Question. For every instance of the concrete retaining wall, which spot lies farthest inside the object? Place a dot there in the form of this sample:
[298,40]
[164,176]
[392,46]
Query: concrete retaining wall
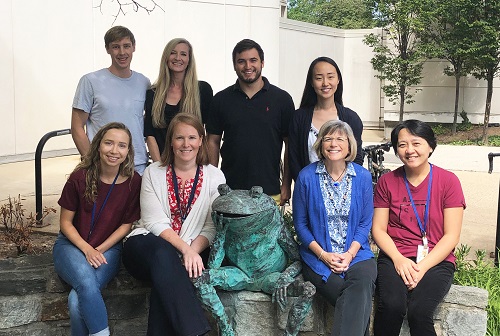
[33,301]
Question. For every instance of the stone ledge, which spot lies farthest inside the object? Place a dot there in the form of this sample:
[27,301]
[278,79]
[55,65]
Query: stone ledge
[33,301]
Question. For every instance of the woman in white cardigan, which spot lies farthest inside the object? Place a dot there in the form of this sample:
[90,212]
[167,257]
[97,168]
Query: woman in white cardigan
[170,244]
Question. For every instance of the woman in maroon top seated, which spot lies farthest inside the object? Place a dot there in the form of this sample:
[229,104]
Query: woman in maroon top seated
[416,224]
[98,205]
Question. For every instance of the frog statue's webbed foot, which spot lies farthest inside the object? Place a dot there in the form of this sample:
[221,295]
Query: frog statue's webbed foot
[209,298]
[300,307]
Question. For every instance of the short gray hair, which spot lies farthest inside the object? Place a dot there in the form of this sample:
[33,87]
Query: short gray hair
[336,126]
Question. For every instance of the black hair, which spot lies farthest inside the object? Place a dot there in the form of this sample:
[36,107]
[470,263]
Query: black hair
[417,128]
[309,97]
[247,44]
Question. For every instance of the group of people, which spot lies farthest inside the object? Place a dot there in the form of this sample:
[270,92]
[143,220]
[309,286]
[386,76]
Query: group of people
[415,213]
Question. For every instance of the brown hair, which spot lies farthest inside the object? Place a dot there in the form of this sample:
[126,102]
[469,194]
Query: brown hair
[91,162]
[167,157]
[118,33]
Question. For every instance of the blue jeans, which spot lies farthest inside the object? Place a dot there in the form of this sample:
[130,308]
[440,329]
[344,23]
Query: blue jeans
[87,310]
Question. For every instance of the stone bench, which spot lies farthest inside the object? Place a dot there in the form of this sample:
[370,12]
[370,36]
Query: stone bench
[33,301]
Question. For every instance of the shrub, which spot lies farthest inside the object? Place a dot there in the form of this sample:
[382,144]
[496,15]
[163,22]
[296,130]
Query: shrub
[480,273]
[494,140]
[466,125]
[439,129]
[17,228]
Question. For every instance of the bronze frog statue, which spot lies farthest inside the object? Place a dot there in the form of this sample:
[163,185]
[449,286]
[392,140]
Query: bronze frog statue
[260,253]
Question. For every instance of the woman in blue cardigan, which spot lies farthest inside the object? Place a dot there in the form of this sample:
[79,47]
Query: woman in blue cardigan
[332,214]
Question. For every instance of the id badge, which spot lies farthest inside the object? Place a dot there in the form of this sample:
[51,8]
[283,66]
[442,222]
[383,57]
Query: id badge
[422,252]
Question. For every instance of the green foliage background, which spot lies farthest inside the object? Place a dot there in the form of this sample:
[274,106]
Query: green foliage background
[343,14]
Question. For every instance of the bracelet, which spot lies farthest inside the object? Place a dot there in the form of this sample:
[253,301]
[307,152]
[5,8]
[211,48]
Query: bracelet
[352,255]
[321,254]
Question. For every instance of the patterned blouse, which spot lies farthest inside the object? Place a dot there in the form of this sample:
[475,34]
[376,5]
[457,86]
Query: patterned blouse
[184,192]
[337,199]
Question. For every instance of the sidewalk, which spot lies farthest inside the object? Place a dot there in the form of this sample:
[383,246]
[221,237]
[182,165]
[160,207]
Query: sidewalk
[469,163]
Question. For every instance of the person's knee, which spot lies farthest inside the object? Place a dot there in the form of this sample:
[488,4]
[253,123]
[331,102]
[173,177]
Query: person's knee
[88,287]
[419,314]
[393,305]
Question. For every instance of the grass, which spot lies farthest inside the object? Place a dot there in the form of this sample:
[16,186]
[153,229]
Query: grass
[480,273]
[467,135]
[493,140]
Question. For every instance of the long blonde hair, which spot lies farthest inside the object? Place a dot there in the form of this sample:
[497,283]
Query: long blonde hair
[190,101]
[92,161]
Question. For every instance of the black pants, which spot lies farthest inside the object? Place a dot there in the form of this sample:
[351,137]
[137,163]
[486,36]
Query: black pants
[394,300]
[174,308]
[351,296]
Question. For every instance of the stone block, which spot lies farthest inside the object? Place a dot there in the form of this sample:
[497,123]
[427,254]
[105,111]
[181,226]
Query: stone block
[54,283]
[19,310]
[55,307]
[314,321]
[123,281]
[251,313]
[129,327]
[460,322]
[33,301]
[467,296]
[22,282]
[38,329]
[125,305]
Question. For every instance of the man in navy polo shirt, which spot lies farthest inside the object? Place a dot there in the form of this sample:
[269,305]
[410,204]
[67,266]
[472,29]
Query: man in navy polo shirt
[253,115]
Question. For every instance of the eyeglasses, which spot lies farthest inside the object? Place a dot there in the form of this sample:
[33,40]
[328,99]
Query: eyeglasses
[339,140]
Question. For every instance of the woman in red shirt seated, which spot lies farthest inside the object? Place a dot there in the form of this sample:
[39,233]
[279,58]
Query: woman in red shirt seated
[98,205]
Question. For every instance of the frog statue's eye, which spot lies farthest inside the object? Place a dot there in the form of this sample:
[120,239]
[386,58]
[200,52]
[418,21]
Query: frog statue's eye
[256,191]
[223,189]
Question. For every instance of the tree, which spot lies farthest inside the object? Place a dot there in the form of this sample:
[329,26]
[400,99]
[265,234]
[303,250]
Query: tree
[399,55]
[146,5]
[343,14]
[451,37]
[487,56]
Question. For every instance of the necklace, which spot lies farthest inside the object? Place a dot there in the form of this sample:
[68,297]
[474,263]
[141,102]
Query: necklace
[336,180]
[337,196]
[184,212]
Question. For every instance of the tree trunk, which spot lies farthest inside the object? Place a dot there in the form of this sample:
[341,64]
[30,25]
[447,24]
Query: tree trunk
[487,110]
[457,92]
[401,102]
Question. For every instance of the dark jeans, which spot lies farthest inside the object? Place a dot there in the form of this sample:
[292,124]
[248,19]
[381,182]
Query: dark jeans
[351,296]
[174,308]
[394,300]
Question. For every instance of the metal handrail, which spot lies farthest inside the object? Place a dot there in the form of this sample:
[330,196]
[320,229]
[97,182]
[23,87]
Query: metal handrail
[38,171]
[497,238]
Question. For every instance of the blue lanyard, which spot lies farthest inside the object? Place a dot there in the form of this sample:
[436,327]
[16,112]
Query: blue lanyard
[191,195]
[94,220]
[423,227]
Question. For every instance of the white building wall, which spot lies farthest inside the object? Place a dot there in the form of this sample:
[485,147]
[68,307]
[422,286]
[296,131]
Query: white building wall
[301,43]
[435,102]
[46,46]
